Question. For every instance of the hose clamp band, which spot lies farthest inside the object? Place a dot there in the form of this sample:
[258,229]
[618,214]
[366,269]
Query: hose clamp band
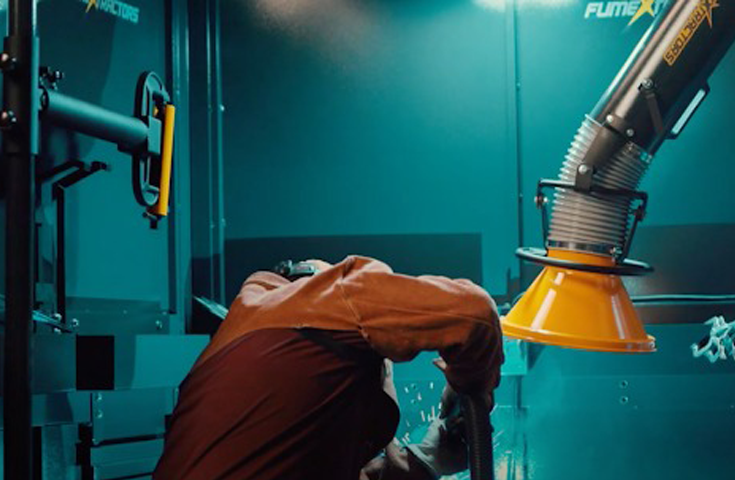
[600,249]
[614,251]
[624,268]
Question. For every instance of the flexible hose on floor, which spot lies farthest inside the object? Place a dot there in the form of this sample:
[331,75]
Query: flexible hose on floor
[478,434]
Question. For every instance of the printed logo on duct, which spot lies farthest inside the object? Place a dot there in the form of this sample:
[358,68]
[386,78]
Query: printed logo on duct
[635,10]
[116,8]
[695,20]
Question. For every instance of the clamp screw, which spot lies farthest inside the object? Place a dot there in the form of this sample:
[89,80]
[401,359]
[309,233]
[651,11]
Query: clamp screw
[7,63]
[583,169]
[159,325]
[51,76]
[74,323]
[630,133]
[647,84]
[610,118]
[640,213]
[7,120]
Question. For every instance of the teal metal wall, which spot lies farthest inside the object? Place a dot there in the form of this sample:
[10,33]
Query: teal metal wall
[372,117]
[352,119]
[404,130]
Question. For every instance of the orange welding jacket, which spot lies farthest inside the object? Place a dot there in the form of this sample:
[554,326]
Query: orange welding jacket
[398,315]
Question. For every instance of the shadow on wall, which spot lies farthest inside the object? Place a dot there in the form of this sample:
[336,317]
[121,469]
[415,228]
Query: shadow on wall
[452,255]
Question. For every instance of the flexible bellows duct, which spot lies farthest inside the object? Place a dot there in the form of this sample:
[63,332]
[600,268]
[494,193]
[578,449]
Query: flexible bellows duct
[591,222]
[578,300]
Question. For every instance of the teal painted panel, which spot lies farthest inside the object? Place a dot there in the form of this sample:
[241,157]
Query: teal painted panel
[112,253]
[605,416]
[373,117]
[587,415]
[139,363]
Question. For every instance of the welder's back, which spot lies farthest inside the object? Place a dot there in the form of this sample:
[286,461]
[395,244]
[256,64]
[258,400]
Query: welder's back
[275,405]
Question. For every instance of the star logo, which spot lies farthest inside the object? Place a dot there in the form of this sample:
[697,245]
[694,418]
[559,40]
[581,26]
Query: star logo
[646,7]
[710,5]
[696,18]
[90,4]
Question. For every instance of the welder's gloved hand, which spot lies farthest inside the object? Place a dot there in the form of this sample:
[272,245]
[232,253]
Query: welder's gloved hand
[450,399]
[443,450]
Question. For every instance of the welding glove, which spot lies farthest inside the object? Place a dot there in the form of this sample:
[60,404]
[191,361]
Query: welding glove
[443,450]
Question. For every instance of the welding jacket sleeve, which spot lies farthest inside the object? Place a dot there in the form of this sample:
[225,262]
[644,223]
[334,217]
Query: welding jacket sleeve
[398,315]
[401,315]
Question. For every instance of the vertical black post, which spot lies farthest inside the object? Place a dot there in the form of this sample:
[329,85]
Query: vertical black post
[19,120]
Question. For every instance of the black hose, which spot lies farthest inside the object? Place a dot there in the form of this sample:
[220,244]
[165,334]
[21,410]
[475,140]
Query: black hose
[479,437]
[683,298]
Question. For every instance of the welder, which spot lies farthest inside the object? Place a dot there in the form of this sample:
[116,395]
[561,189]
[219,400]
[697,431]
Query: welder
[296,383]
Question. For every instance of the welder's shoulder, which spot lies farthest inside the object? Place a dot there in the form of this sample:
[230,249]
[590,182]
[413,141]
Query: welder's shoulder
[466,298]
[264,280]
[359,264]
[368,282]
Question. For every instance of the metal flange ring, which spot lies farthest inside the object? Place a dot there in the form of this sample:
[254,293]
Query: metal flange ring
[625,268]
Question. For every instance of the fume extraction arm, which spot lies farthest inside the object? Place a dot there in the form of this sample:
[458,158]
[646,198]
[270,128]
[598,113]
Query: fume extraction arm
[579,300]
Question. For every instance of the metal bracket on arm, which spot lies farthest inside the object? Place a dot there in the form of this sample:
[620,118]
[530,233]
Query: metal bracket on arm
[583,178]
[611,137]
[79,171]
[648,87]
[639,212]
[144,136]
[623,266]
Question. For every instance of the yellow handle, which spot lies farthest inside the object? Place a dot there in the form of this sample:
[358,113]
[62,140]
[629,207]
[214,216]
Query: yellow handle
[161,208]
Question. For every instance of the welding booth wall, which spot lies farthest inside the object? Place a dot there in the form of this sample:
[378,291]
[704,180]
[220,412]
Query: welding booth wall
[416,132]
[413,131]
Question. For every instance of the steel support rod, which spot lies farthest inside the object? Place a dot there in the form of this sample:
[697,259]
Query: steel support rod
[127,132]
[19,121]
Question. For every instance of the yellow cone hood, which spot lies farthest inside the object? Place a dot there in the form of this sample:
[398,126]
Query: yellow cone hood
[576,309]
